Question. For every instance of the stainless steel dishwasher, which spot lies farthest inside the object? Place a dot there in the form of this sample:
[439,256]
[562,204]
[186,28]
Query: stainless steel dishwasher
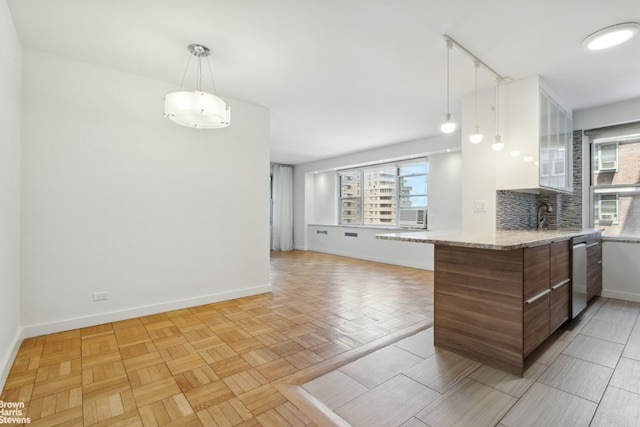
[579,275]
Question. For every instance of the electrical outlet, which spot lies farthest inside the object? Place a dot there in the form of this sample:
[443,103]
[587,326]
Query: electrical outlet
[480,206]
[100,296]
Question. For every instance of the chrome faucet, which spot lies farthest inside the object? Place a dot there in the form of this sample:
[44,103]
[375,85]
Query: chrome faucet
[543,209]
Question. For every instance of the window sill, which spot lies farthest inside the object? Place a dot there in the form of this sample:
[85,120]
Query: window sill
[373,227]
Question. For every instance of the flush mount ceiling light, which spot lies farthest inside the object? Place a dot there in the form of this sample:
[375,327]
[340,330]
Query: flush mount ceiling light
[449,125]
[611,36]
[197,109]
[476,136]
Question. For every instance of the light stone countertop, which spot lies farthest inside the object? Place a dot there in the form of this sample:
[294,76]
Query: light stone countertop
[504,240]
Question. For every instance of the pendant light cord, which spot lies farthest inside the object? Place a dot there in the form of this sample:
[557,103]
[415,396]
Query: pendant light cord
[186,68]
[213,82]
[477,65]
[498,81]
[198,73]
[449,46]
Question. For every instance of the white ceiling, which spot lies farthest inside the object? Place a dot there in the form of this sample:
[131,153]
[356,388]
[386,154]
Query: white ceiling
[341,76]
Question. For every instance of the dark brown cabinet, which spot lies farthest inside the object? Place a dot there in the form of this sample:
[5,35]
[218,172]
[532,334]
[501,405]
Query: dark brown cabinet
[498,306]
[536,296]
[546,291]
[594,265]
[559,283]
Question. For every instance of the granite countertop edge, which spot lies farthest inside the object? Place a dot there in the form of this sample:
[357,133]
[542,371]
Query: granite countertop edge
[495,240]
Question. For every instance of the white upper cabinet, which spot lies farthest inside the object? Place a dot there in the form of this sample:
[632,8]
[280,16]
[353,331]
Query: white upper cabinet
[538,137]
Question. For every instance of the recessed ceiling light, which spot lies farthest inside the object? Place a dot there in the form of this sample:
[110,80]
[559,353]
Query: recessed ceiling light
[611,36]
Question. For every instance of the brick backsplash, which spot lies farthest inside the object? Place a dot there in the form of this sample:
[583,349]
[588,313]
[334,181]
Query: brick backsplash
[518,211]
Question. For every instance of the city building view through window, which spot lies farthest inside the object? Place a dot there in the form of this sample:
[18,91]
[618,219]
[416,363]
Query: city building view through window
[380,195]
[615,183]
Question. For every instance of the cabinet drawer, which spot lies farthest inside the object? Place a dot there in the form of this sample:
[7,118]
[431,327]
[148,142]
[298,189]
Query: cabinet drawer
[536,321]
[559,303]
[536,271]
[560,262]
[594,269]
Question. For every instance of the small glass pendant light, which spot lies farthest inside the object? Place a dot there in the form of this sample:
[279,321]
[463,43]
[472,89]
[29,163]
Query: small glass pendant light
[449,125]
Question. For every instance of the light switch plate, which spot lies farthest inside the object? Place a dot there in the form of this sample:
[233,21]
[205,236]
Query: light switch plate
[480,206]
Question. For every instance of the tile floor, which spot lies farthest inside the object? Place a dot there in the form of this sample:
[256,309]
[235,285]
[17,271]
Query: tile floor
[588,374]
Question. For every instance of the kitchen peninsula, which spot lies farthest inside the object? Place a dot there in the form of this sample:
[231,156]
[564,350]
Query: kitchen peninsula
[499,294]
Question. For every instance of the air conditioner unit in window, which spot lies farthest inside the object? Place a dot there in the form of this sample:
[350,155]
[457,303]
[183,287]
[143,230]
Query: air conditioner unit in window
[607,217]
[416,218]
[608,166]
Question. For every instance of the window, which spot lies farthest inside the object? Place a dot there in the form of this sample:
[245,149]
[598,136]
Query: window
[605,157]
[607,208]
[379,185]
[413,185]
[350,199]
[374,195]
[615,180]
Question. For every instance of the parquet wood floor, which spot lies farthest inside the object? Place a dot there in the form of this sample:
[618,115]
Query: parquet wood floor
[234,363]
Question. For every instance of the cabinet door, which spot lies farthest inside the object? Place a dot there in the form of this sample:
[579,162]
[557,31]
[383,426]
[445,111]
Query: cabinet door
[545,138]
[567,148]
[559,304]
[536,296]
[559,262]
[536,271]
[536,321]
[556,142]
[560,283]
[594,269]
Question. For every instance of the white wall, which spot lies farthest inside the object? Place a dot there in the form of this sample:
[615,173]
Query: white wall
[607,115]
[325,193]
[116,198]
[332,239]
[10,104]
[479,162]
[310,208]
[619,259]
[445,191]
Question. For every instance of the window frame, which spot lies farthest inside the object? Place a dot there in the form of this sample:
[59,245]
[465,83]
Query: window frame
[343,199]
[607,182]
[616,204]
[361,171]
[597,157]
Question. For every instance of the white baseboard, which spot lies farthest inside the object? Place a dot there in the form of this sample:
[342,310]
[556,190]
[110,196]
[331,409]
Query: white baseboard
[114,316]
[10,356]
[626,296]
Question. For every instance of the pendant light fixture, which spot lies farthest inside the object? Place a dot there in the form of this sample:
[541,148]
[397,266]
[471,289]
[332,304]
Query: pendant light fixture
[197,109]
[498,145]
[476,136]
[449,125]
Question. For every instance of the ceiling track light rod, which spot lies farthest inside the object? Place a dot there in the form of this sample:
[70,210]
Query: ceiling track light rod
[476,65]
[451,42]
